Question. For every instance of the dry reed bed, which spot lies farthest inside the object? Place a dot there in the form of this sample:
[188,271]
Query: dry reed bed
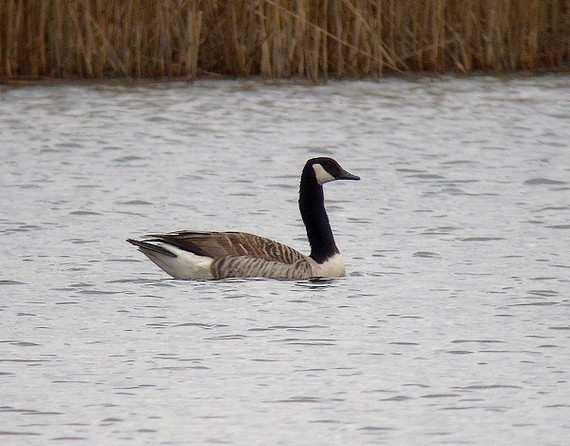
[279,38]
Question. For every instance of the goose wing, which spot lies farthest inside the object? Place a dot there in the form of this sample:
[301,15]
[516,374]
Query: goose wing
[234,244]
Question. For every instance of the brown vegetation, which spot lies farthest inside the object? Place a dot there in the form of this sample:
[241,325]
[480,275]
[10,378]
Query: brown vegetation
[279,38]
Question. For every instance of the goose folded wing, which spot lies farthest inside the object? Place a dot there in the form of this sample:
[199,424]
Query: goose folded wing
[222,244]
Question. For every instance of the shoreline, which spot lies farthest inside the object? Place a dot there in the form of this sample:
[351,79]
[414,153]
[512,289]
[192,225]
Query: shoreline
[407,76]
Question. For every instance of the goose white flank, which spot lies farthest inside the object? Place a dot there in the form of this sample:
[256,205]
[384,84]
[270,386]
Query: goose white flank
[219,255]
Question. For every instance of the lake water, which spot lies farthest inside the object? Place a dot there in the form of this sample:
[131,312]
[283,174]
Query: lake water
[451,327]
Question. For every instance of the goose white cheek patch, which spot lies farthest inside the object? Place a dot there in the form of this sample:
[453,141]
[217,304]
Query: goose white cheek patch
[322,175]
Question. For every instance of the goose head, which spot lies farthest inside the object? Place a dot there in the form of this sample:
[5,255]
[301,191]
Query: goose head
[325,170]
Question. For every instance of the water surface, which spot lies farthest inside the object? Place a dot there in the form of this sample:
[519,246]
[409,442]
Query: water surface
[451,327]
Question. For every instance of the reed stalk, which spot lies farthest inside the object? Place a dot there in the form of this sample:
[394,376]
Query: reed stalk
[310,39]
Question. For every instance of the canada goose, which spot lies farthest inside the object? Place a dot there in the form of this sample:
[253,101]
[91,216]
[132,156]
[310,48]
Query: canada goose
[217,255]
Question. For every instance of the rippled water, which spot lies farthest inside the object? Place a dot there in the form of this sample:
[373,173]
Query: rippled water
[451,327]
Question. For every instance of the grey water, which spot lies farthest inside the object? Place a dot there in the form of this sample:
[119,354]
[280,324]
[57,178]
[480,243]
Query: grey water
[452,325]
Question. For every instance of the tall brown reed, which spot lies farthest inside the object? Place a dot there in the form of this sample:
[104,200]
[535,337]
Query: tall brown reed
[279,38]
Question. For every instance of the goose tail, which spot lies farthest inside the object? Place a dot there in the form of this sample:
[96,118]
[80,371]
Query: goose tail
[179,263]
[148,246]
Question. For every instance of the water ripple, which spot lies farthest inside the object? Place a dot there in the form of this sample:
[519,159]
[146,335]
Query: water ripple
[453,311]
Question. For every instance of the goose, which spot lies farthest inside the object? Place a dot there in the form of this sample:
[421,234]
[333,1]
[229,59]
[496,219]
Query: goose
[219,255]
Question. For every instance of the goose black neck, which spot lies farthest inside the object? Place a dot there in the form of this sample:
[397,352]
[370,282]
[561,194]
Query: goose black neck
[312,207]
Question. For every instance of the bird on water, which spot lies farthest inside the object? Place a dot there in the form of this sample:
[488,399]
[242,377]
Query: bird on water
[218,255]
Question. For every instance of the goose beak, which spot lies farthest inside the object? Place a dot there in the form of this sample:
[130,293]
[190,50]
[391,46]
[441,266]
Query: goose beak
[344,175]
